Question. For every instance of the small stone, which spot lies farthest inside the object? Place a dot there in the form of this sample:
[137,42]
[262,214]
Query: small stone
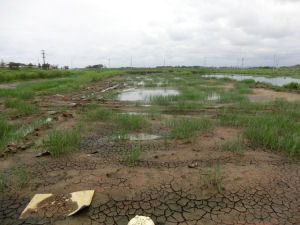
[193,165]
[46,153]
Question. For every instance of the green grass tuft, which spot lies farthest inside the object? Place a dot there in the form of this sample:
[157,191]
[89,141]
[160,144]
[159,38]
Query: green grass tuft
[131,122]
[235,146]
[292,85]
[133,155]
[99,114]
[188,127]
[62,142]
[22,107]
[275,131]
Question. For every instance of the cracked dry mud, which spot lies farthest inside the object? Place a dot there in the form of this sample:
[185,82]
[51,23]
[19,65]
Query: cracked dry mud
[257,188]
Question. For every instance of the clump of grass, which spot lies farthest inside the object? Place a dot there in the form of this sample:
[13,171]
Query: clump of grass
[62,142]
[154,112]
[22,176]
[92,106]
[5,128]
[213,176]
[131,122]
[133,155]
[99,114]
[188,127]
[235,146]
[184,106]
[243,88]
[233,95]
[15,178]
[292,85]
[275,131]
[235,119]
[111,95]
[150,84]
[4,181]
[192,93]
[249,82]
[23,108]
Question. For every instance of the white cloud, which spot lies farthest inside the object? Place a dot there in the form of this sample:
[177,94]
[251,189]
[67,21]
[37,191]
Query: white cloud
[183,31]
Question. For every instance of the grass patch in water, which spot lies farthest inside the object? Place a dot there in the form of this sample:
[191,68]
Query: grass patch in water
[163,100]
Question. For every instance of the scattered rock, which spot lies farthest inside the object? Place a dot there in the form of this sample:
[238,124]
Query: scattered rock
[13,148]
[193,165]
[59,95]
[43,154]
[67,115]
[73,104]
[94,152]
[52,112]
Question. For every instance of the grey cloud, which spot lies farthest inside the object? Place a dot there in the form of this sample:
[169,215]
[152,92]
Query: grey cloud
[182,31]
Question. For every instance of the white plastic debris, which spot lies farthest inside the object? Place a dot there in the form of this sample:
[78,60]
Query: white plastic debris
[141,220]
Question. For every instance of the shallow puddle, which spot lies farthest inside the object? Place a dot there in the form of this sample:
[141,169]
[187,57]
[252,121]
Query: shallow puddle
[143,137]
[134,113]
[213,97]
[141,94]
[8,86]
[278,81]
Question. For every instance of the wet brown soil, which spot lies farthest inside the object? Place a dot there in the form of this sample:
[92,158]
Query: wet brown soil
[172,182]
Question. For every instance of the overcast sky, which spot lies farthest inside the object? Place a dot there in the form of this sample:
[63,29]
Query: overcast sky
[184,32]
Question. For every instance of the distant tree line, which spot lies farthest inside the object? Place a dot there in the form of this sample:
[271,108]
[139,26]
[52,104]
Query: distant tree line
[97,66]
[16,66]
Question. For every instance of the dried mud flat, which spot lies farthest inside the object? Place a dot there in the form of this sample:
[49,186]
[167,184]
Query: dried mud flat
[170,183]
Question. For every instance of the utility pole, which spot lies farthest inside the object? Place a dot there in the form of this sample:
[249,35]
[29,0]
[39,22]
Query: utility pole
[43,56]
[131,61]
[108,62]
[243,62]
[275,62]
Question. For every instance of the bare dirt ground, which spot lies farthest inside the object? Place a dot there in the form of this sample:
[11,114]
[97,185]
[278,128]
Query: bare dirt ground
[265,95]
[172,183]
